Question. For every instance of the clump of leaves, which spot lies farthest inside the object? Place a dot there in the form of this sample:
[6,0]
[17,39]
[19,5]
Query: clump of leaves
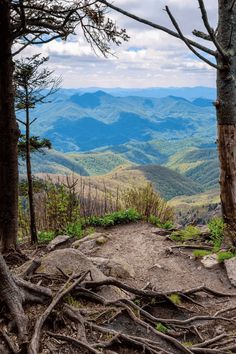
[216,227]
[161,328]
[73,302]
[118,217]
[175,299]
[75,229]
[223,256]
[46,236]
[201,253]
[188,233]
[154,220]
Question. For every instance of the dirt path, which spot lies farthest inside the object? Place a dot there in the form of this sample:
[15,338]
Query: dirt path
[147,253]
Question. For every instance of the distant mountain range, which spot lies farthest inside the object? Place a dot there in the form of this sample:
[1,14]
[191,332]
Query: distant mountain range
[94,132]
[89,121]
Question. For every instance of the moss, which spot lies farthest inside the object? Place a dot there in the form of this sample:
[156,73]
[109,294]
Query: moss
[175,299]
[161,328]
[223,256]
[201,253]
[188,233]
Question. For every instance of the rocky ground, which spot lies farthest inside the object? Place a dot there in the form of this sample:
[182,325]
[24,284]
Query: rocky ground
[129,289]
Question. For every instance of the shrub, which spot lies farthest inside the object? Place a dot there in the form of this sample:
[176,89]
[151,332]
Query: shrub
[46,236]
[188,233]
[154,220]
[118,217]
[75,229]
[216,227]
[147,202]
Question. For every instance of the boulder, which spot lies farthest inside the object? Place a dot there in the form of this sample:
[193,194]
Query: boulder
[210,261]
[90,243]
[230,266]
[74,261]
[115,267]
[57,241]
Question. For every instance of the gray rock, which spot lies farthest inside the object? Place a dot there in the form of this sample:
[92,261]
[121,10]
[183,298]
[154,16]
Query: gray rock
[93,237]
[58,241]
[74,261]
[230,266]
[116,267]
[210,261]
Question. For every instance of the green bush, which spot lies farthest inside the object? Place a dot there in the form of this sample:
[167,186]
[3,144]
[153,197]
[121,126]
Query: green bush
[75,229]
[118,217]
[154,220]
[46,236]
[188,233]
[216,227]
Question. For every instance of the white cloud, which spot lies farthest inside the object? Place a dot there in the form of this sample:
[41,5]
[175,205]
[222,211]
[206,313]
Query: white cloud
[150,58]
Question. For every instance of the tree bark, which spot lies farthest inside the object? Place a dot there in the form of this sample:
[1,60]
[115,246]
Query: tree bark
[9,134]
[226,116]
[33,229]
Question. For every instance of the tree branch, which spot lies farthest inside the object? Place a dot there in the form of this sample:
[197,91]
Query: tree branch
[201,35]
[211,32]
[159,27]
[187,42]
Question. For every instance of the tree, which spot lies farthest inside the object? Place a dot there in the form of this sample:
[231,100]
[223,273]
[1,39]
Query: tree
[223,59]
[26,22]
[23,23]
[33,86]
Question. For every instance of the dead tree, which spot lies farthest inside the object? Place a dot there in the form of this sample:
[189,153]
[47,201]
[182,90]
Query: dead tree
[223,59]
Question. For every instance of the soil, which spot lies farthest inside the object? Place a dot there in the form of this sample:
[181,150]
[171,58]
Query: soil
[150,256]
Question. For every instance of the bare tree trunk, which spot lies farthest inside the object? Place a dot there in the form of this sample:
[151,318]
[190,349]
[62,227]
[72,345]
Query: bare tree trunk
[226,116]
[9,134]
[33,229]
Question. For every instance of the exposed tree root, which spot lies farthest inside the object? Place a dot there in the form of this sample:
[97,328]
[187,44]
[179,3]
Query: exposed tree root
[90,325]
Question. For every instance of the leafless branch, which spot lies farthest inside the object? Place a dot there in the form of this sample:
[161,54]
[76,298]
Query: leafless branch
[187,42]
[211,32]
[159,27]
[201,35]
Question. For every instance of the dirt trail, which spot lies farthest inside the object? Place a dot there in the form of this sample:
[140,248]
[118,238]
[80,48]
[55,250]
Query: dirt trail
[148,254]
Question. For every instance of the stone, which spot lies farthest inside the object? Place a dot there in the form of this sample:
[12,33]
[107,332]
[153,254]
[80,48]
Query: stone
[230,266]
[101,240]
[91,237]
[210,261]
[57,241]
[115,267]
[71,261]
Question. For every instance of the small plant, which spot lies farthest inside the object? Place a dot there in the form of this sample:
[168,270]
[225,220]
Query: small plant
[201,253]
[216,227]
[175,299]
[154,220]
[187,344]
[188,233]
[223,256]
[73,302]
[161,328]
[46,236]
[75,229]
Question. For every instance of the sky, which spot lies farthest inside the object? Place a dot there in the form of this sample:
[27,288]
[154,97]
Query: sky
[149,59]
